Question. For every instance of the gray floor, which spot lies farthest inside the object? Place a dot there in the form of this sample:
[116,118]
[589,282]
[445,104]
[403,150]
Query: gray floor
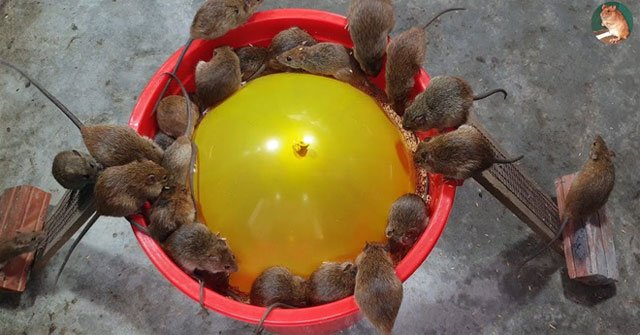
[564,87]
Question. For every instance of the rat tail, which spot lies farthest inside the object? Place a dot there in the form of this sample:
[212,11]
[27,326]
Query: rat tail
[439,14]
[46,93]
[507,160]
[88,226]
[555,238]
[259,71]
[490,93]
[260,327]
[174,72]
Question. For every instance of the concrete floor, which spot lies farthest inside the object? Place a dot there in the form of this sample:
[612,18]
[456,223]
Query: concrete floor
[564,87]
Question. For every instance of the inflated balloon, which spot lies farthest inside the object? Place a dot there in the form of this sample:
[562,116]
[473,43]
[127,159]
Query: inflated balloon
[296,169]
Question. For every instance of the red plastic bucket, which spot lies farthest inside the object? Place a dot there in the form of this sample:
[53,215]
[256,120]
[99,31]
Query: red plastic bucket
[259,30]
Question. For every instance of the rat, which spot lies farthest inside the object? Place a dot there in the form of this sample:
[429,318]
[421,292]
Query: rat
[110,145]
[122,190]
[173,209]
[445,103]
[332,281]
[285,41]
[278,285]
[252,61]
[458,154]
[378,291]
[194,247]
[21,243]
[172,116]
[212,20]
[163,140]
[405,54]
[406,221]
[589,190]
[370,22]
[74,169]
[218,78]
[330,59]
[613,20]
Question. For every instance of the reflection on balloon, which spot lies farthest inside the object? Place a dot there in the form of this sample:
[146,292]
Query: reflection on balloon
[296,169]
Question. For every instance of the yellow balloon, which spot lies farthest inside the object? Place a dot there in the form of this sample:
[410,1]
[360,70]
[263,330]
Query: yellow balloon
[297,169]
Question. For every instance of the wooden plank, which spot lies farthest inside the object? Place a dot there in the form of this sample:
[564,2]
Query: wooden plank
[518,192]
[588,243]
[72,212]
[22,208]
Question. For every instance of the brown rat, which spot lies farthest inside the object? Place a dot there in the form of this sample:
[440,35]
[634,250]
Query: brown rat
[74,169]
[252,60]
[218,78]
[458,154]
[370,22]
[285,41]
[330,59]
[331,282]
[589,190]
[122,190]
[378,291]
[406,221]
[216,17]
[173,208]
[172,116]
[405,54]
[445,103]
[613,20]
[194,247]
[278,285]
[110,145]
[21,243]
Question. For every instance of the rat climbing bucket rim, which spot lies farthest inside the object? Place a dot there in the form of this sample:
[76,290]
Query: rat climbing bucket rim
[325,27]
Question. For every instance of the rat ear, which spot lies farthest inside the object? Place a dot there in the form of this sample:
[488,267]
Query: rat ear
[346,266]
[151,178]
[76,152]
[594,156]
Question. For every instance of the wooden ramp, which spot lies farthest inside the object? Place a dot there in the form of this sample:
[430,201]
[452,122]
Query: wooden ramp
[22,208]
[588,244]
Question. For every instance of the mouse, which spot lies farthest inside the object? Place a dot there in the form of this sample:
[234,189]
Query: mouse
[278,285]
[122,190]
[74,170]
[378,290]
[285,41]
[405,54]
[218,78]
[613,20]
[252,61]
[331,282]
[330,59]
[163,140]
[194,247]
[173,208]
[110,145]
[589,190]
[443,104]
[214,19]
[458,154]
[407,220]
[172,117]
[369,24]
[21,243]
